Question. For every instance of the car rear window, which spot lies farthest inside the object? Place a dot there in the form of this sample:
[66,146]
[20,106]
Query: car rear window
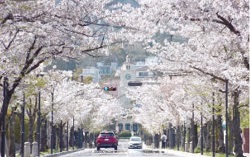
[106,135]
[135,139]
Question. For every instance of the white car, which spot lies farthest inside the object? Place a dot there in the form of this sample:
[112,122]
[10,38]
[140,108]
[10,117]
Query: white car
[135,142]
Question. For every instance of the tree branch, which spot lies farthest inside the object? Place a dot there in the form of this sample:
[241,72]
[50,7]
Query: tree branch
[96,48]
[36,65]
[221,20]
[12,40]
[227,24]
[210,74]
[244,105]
[25,70]
[8,17]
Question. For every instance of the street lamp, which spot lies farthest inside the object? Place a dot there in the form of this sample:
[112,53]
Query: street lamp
[73,133]
[51,135]
[39,122]
[213,129]
[226,101]
[61,133]
[23,127]
[67,143]
[226,115]
[201,131]
[193,129]
[39,119]
[184,135]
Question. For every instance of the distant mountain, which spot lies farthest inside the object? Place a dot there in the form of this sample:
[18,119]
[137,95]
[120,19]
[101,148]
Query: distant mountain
[117,54]
[133,3]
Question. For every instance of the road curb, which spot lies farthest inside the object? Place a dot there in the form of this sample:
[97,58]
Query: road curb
[153,151]
[62,153]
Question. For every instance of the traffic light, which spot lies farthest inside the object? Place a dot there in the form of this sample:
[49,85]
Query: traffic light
[110,88]
[135,83]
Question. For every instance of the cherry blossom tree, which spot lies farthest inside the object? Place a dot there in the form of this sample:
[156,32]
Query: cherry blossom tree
[216,45]
[74,99]
[34,32]
[171,99]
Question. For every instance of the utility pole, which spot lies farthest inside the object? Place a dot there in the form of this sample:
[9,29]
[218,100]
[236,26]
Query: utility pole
[226,115]
[61,142]
[213,136]
[226,136]
[73,133]
[193,129]
[201,132]
[39,122]
[67,143]
[23,127]
[51,135]
[184,134]
[39,119]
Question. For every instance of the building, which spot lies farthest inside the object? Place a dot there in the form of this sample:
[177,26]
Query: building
[100,71]
[132,72]
[91,72]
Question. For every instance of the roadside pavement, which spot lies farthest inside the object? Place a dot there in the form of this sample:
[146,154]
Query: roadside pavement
[178,153]
[171,151]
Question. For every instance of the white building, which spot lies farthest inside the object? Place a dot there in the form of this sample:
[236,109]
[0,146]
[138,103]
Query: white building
[131,72]
[92,72]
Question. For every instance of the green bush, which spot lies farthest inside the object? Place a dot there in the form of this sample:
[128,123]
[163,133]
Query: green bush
[197,150]
[125,134]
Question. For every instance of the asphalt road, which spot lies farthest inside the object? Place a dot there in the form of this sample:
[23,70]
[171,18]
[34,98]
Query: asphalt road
[122,151]
[119,153]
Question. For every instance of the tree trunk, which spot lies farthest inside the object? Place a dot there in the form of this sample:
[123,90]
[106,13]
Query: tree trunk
[183,137]
[178,137]
[5,106]
[71,138]
[54,132]
[31,129]
[7,94]
[207,136]
[44,135]
[12,150]
[195,135]
[230,134]
[32,112]
[220,136]
[236,125]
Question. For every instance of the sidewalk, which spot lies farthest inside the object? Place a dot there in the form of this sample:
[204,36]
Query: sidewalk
[171,151]
[178,153]
[246,154]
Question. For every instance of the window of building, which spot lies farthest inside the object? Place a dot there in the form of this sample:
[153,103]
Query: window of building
[120,127]
[143,74]
[135,127]
[128,67]
[127,126]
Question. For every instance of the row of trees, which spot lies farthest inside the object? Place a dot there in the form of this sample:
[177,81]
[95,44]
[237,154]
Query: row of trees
[65,103]
[32,34]
[215,48]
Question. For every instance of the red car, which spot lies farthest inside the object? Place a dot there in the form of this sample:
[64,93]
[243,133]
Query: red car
[106,139]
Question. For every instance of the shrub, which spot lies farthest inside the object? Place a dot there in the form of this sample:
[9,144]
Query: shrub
[125,134]
[197,150]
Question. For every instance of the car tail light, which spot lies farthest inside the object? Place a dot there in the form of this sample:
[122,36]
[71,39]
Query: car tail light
[98,140]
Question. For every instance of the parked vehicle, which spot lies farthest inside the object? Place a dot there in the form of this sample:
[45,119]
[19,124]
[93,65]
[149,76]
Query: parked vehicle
[106,139]
[135,142]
